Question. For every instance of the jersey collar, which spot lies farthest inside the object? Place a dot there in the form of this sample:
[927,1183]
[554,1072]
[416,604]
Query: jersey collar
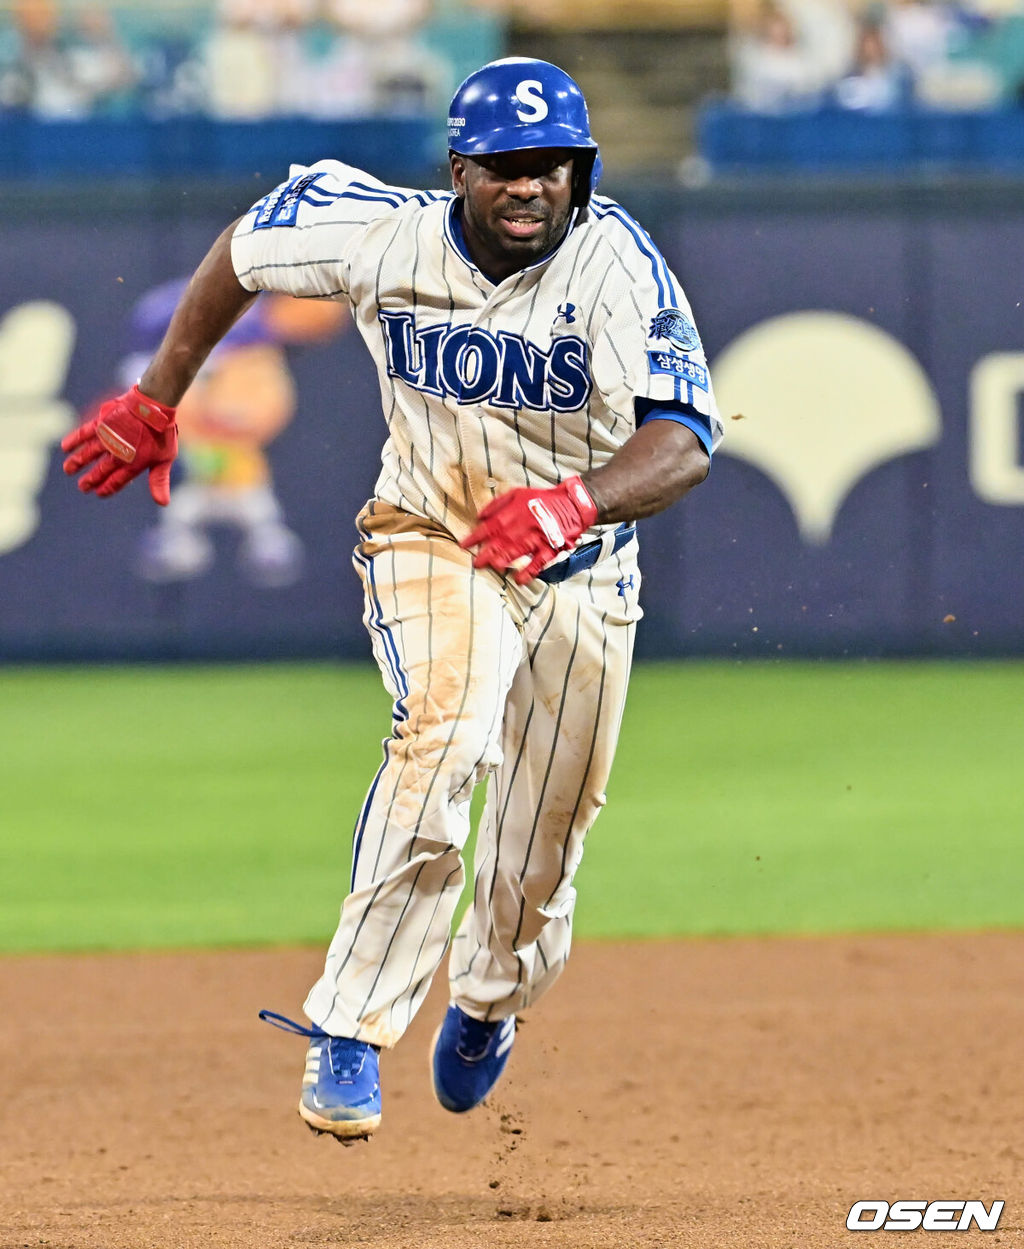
[453,233]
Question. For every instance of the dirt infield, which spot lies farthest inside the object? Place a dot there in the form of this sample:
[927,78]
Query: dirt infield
[708,1094]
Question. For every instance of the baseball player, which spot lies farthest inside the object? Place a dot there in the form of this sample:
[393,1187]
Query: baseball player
[544,388]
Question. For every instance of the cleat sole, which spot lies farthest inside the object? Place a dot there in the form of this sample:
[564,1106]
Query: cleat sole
[346,1131]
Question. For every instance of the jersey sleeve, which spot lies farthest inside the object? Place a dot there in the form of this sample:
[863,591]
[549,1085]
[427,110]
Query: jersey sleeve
[648,354]
[301,238]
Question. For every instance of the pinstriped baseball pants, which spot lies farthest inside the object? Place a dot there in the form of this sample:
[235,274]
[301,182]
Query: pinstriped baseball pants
[523,686]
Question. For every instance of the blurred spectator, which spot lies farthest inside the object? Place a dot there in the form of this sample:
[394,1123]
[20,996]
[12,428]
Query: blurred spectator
[800,54]
[322,72]
[932,39]
[36,77]
[233,59]
[329,60]
[406,75]
[920,34]
[55,75]
[877,81]
[772,71]
[788,53]
[101,64]
[238,61]
[828,29]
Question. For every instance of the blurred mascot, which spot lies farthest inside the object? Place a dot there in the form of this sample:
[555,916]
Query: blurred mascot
[243,397]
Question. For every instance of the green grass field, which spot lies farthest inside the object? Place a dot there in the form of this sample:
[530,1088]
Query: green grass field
[145,807]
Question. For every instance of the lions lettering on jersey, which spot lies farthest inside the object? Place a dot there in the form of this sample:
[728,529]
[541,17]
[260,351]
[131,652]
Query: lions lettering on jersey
[475,366]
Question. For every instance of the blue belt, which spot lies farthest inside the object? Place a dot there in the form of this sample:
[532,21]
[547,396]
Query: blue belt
[586,556]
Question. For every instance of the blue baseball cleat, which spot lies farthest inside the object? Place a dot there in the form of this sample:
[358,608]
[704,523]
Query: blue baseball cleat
[469,1057]
[341,1083]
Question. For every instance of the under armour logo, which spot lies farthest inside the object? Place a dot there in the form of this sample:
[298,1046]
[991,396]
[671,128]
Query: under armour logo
[565,313]
[625,584]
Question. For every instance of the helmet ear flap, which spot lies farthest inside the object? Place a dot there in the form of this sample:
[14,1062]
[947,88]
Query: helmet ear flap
[586,173]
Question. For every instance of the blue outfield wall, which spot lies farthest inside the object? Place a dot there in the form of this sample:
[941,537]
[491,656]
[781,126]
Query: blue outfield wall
[868,345]
[199,146]
[831,140]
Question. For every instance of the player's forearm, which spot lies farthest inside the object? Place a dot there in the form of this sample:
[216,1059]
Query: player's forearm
[213,301]
[660,463]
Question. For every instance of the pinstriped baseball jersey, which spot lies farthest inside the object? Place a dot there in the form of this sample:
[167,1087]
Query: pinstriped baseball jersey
[485,387]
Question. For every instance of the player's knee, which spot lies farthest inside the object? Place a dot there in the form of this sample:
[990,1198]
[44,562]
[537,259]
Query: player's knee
[452,756]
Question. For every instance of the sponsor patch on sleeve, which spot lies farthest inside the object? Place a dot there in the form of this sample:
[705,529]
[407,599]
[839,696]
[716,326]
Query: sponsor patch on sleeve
[675,326]
[281,206]
[675,365]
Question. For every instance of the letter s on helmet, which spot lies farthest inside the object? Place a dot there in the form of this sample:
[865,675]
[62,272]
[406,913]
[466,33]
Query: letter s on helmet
[520,103]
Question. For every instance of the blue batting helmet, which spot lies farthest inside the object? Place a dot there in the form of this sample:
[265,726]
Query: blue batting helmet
[520,103]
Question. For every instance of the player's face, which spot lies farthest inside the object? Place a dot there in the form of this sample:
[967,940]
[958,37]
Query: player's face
[516,205]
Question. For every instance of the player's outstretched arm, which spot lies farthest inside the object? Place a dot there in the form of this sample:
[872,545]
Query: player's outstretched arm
[653,469]
[212,302]
[136,431]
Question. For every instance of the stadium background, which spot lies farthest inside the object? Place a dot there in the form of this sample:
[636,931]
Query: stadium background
[824,721]
[868,502]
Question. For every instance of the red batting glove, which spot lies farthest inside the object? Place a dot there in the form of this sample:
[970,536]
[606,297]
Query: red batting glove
[129,434]
[531,523]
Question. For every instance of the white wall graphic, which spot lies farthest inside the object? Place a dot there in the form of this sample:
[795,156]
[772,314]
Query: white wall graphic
[36,340]
[824,399]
